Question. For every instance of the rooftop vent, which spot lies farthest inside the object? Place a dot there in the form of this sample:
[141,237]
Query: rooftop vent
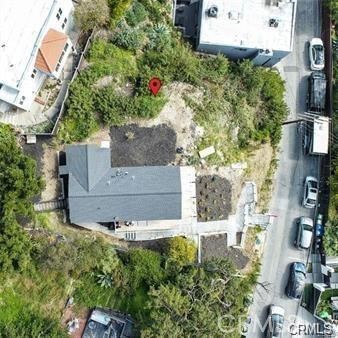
[273,23]
[213,11]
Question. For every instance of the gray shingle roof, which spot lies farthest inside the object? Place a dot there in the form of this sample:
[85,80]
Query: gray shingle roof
[99,193]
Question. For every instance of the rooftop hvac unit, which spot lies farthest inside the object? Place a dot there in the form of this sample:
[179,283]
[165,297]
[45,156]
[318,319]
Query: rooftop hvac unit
[213,11]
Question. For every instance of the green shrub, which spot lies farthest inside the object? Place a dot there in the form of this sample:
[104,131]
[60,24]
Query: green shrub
[175,62]
[114,108]
[181,250]
[19,317]
[80,120]
[331,237]
[159,37]
[215,69]
[108,59]
[118,9]
[129,38]
[145,268]
[136,14]
[92,13]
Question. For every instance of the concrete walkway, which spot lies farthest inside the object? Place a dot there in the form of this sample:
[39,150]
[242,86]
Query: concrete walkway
[238,223]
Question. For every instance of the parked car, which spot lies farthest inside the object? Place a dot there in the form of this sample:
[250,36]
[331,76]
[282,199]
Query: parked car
[316,54]
[275,322]
[316,92]
[304,232]
[310,192]
[296,281]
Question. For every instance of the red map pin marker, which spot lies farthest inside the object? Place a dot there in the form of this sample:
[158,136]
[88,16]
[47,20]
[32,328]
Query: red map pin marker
[155,85]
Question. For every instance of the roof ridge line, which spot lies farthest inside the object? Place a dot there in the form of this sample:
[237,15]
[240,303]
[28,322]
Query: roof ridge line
[53,40]
[44,58]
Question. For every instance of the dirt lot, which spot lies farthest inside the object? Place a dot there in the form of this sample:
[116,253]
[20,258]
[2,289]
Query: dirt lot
[215,246]
[46,160]
[213,195]
[137,146]
[177,115]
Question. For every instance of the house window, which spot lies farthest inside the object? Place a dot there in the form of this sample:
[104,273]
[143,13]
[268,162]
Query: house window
[57,67]
[1,85]
[61,57]
[33,74]
[59,13]
[22,99]
[66,46]
[64,23]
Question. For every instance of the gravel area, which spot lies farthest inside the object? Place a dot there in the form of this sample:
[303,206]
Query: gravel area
[213,198]
[215,246]
[137,146]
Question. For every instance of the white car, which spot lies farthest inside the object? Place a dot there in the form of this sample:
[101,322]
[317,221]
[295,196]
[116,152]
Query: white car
[275,322]
[304,232]
[316,54]
[310,192]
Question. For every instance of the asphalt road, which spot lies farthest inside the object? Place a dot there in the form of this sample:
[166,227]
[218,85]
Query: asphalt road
[279,249]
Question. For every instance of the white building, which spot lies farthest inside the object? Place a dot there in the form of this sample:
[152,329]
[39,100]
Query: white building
[34,45]
[261,30]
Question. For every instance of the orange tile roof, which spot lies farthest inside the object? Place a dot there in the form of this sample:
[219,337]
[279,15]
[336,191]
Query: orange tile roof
[50,50]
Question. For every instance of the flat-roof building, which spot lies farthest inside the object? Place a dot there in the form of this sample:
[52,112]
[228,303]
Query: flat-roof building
[34,45]
[261,30]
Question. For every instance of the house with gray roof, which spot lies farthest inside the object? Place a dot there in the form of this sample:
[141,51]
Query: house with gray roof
[100,195]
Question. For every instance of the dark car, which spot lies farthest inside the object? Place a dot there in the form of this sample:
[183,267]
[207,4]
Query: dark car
[317,92]
[296,282]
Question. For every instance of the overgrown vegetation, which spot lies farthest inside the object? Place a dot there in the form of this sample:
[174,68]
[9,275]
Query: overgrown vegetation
[18,184]
[242,105]
[331,227]
[41,268]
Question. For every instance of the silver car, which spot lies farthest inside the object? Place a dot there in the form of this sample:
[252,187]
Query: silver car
[316,54]
[310,192]
[275,322]
[304,232]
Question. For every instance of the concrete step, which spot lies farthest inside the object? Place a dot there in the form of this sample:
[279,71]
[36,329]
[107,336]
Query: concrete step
[49,205]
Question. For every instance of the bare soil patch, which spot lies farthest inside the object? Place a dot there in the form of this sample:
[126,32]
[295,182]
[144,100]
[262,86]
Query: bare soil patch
[69,314]
[177,115]
[238,258]
[158,245]
[132,145]
[101,135]
[50,171]
[45,157]
[215,246]
[213,194]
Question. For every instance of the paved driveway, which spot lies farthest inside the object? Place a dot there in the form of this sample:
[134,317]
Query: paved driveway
[279,250]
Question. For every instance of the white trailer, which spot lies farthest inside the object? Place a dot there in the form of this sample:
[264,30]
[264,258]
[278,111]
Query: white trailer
[316,136]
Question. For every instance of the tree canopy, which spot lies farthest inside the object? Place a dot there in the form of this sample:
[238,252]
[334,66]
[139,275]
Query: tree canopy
[18,184]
